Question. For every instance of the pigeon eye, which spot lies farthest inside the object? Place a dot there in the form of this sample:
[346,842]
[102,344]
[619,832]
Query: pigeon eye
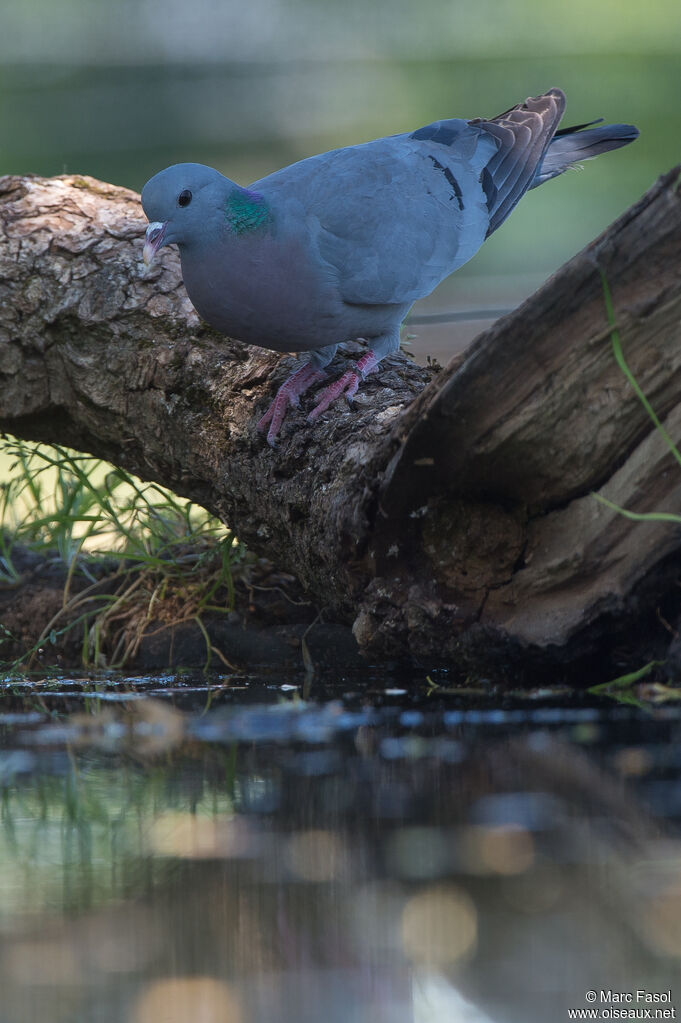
[184,198]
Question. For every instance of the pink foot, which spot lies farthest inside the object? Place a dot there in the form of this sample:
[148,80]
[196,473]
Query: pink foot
[346,384]
[288,395]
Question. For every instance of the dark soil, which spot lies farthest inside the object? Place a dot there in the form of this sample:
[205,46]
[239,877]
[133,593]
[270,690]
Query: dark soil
[273,622]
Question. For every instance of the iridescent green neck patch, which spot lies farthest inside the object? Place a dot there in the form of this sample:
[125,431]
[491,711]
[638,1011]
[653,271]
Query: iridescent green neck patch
[246,211]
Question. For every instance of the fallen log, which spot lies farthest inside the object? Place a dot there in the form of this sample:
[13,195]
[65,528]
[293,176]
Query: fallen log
[447,517]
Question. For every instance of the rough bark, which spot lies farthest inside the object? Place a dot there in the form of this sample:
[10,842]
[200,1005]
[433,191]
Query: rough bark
[459,522]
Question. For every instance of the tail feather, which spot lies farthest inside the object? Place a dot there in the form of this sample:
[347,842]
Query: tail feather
[583,142]
[578,127]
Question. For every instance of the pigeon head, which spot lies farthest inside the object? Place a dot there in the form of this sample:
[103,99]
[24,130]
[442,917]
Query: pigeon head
[181,203]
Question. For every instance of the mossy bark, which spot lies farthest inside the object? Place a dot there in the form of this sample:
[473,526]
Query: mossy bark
[444,516]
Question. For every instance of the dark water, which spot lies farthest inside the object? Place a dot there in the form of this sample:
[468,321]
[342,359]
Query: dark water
[173,850]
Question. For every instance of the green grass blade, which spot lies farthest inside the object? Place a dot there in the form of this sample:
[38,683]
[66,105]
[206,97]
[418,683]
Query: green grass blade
[622,363]
[639,516]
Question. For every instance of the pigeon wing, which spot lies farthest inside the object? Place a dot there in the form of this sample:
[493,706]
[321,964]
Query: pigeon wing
[523,133]
[390,219]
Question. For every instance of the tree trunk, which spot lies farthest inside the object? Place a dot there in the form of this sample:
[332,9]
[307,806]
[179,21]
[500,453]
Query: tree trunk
[459,524]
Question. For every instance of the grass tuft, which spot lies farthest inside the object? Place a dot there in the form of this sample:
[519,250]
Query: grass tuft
[131,553]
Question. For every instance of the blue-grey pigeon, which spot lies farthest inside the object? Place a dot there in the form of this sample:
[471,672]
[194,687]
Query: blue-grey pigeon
[340,245]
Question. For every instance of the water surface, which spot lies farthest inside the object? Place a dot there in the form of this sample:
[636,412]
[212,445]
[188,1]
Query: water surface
[244,850]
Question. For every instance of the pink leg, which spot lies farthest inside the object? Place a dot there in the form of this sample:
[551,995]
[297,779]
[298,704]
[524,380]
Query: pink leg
[348,383]
[288,395]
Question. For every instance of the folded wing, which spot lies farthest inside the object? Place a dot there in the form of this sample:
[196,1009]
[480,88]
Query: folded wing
[390,219]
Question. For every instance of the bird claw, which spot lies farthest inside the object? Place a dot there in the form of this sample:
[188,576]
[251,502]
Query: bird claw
[287,396]
[352,389]
[347,384]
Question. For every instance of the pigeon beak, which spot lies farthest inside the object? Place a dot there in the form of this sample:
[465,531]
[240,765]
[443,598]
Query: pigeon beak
[153,240]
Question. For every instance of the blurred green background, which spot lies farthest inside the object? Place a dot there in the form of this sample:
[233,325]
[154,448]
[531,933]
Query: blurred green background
[121,90]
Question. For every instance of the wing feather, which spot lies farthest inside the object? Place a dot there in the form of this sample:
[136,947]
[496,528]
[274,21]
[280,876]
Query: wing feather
[392,218]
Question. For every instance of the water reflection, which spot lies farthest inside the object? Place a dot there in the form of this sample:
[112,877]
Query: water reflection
[363,858]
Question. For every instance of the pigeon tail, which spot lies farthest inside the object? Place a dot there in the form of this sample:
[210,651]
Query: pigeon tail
[583,142]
